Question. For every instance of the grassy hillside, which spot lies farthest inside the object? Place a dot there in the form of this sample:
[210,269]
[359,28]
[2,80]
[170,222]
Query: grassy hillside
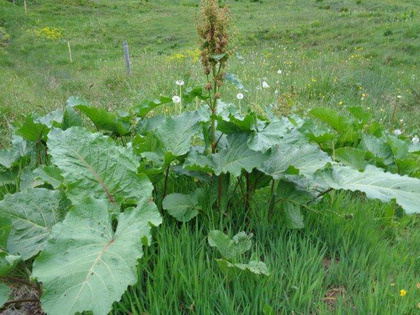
[332,53]
[354,256]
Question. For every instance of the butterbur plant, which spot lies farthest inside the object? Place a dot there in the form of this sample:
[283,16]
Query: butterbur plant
[82,188]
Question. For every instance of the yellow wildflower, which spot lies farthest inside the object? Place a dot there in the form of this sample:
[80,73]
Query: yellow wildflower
[403,292]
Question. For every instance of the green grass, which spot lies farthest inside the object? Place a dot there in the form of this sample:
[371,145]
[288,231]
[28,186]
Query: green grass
[354,256]
[346,253]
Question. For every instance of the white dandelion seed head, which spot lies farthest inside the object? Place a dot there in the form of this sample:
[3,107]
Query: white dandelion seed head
[176,99]
[399,97]
[265,85]
[397,132]
[279,71]
[179,82]
[239,96]
[415,140]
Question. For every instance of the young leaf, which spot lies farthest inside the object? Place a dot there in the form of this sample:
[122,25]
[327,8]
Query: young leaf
[229,249]
[376,184]
[8,263]
[33,213]
[306,158]
[293,216]
[92,165]
[181,206]
[86,265]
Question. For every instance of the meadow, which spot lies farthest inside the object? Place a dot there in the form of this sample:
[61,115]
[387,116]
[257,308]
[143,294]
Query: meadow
[353,255]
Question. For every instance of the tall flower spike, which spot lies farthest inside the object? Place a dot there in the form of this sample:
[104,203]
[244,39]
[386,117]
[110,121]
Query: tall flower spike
[212,28]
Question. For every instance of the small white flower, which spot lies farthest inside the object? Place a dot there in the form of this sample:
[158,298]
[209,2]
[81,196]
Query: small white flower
[279,72]
[276,92]
[415,140]
[399,97]
[397,132]
[176,99]
[239,96]
[179,82]
[401,121]
[265,85]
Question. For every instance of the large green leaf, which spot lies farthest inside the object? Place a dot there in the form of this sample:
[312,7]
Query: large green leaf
[32,130]
[377,184]
[275,133]
[182,207]
[230,248]
[237,156]
[290,200]
[342,124]
[175,133]
[104,120]
[352,157]
[87,264]
[147,106]
[93,165]
[378,148]
[33,213]
[306,158]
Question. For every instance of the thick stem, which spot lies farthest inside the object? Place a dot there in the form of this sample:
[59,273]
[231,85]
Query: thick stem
[220,193]
[213,131]
[165,186]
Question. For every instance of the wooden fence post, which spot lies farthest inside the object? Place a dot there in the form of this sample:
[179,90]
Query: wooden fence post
[70,54]
[127,58]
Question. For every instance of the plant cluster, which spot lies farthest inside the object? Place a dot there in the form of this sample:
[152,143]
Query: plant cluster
[78,186]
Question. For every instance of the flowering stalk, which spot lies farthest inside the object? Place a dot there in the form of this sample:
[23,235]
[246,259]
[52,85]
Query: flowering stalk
[212,31]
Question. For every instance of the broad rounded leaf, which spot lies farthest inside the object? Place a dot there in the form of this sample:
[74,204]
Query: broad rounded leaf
[93,165]
[33,213]
[237,157]
[86,265]
[306,158]
[176,132]
[181,206]
[376,184]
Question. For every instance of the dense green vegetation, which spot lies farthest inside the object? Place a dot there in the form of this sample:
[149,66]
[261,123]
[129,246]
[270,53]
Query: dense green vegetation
[350,70]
